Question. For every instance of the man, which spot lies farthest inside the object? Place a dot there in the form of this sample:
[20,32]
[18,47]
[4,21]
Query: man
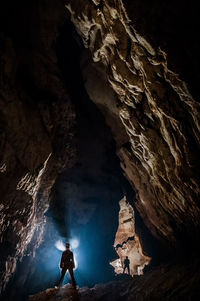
[127,265]
[67,263]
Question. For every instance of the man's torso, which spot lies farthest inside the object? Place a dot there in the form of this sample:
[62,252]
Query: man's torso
[67,259]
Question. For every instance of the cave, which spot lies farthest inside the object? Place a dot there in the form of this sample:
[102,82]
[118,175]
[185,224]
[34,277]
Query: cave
[99,147]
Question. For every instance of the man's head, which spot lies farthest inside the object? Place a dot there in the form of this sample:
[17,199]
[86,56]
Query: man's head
[67,246]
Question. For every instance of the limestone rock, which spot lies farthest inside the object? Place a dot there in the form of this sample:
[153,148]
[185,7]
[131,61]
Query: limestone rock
[36,130]
[150,106]
[157,111]
[127,242]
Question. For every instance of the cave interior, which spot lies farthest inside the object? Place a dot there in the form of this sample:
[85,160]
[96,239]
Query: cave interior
[99,147]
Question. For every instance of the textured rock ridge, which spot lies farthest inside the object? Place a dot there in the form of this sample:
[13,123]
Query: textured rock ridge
[36,129]
[157,111]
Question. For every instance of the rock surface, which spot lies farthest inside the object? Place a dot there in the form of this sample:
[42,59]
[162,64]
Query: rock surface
[144,77]
[127,242]
[37,128]
[156,110]
[164,283]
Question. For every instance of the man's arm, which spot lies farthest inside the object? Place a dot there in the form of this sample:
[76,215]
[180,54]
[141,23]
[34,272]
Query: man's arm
[73,263]
[62,261]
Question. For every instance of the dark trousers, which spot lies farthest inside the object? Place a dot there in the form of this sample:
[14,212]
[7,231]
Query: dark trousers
[128,268]
[71,272]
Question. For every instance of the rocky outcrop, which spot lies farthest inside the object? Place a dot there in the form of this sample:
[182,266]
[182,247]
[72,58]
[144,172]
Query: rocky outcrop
[164,283]
[127,243]
[153,105]
[36,127]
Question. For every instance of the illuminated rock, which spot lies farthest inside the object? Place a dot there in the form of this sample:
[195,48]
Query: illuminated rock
[127,242]
[126,228]
[144,78]
[152,113]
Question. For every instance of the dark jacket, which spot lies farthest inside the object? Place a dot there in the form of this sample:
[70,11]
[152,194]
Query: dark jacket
[67,260]
[126,262]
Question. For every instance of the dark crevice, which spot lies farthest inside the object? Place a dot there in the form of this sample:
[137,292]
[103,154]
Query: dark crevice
[124,242]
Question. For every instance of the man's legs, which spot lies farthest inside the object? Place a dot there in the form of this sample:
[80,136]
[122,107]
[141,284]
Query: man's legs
[72,277]
[62,276]
[128,269]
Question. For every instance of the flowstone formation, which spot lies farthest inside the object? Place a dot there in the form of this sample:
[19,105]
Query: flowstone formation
[154,107]
[127,242]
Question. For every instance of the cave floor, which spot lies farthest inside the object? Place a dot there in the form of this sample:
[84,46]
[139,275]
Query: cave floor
[166,282]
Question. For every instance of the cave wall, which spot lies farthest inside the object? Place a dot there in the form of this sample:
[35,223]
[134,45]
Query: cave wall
[45,111]
[141,72]
[37,125]
[84,199]
[152,103]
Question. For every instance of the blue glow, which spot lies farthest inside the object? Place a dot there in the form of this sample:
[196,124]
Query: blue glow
[94,251]
[91,244]
[74,242]
[60,245]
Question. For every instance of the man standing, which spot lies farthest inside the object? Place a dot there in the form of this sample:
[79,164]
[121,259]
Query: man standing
[67,263]
[127,265]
